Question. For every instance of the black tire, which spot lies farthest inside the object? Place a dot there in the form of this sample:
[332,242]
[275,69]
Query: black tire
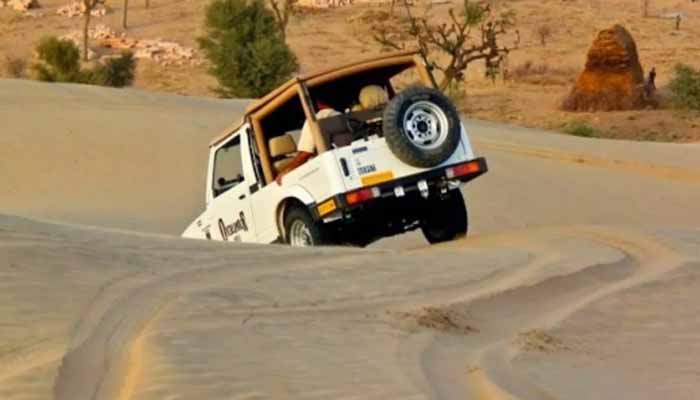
[446,219]
[401,123]
[317,235]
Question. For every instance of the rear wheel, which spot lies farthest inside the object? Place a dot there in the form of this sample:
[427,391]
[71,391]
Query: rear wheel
[301,230]
[446,218]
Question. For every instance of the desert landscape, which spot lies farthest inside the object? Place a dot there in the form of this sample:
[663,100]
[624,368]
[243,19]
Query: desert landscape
[538,76]
[579,278]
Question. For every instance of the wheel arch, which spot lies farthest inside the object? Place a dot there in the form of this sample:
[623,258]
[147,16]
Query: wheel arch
[295,196]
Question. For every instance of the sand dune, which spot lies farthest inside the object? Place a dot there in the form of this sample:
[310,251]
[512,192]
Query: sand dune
[119,158]
[580,280]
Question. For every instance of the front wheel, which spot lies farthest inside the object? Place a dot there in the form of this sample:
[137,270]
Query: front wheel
[301,230]
[446,218]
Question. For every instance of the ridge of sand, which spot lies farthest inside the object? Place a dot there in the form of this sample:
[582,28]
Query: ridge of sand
[211,310]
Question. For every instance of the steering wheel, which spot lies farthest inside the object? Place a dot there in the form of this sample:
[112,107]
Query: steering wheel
[354,125]
[227,184]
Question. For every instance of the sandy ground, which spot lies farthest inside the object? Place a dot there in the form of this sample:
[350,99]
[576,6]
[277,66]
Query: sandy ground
[580,279]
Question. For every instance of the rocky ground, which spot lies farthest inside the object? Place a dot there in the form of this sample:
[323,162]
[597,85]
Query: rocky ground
[540,76]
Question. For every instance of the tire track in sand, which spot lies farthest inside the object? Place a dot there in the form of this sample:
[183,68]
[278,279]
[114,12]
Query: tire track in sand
[651,260]
[105,362]
[35,357]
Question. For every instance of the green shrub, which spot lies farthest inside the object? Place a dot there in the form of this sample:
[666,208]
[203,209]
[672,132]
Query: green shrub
[578,128]
[115,72]
[243,43]
[60,62]
[685,87]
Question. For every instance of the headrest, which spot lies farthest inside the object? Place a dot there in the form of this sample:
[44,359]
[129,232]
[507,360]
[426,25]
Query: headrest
[282,145]
[373,96]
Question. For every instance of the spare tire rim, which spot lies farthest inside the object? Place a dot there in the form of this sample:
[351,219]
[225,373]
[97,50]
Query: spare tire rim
[300,235]
[426,125]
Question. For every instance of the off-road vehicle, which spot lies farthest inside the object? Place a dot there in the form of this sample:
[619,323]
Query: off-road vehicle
[377,172]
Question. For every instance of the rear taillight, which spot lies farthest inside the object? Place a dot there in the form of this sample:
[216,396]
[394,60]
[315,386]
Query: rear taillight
[362,195]
[462,169]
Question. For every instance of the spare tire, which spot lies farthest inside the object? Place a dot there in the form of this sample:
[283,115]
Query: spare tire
[421,127]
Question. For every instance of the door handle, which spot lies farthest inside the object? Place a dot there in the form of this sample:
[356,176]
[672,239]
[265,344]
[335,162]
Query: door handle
[344,165]
[241,197]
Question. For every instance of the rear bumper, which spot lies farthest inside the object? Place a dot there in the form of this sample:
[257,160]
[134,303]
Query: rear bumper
[437,181]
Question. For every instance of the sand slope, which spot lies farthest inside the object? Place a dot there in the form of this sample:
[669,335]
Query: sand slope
[120,158]
[580,281]
[136,160]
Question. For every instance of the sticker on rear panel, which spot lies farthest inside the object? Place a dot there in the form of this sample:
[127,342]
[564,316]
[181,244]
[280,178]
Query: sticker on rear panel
[366,169]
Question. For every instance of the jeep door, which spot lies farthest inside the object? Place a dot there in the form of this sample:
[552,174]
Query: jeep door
[230,216]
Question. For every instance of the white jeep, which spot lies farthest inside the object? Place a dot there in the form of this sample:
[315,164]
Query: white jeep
[377,172]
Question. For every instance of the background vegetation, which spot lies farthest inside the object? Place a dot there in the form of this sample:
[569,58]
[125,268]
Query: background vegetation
[59,61]
[246,49]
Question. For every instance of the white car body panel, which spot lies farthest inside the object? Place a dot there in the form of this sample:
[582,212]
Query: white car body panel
[367,157]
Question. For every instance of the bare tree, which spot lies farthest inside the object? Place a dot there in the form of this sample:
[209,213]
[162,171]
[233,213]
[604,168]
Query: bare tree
[148,3]
[645,8]
[544,33]
[470,35]
[124,13]
[89,5]
[282,9]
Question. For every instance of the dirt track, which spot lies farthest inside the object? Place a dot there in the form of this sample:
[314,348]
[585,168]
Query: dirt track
[580,281]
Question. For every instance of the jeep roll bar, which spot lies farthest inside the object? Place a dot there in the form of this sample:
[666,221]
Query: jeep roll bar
[299,86]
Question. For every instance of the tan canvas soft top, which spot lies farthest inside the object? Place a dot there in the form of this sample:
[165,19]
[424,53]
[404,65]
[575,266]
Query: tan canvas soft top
[318,78]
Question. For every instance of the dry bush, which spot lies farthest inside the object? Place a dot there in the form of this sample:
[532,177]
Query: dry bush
[15,67]
[542,74]
[472,33]
[374,21]
[544,33]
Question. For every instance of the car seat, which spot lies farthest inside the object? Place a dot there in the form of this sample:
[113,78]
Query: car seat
[283,149]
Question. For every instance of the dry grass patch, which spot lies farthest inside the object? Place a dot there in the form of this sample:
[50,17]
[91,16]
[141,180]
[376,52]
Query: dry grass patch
[537,340]
[14,67]
[440,319]
[542,74]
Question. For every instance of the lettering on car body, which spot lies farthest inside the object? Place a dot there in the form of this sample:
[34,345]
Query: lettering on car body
[207,231]
[239,225]
[357,150]
[366,169]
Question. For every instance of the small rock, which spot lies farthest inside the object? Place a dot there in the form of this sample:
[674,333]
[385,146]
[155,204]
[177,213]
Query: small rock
[21,5]
[161,51]
[77,9]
